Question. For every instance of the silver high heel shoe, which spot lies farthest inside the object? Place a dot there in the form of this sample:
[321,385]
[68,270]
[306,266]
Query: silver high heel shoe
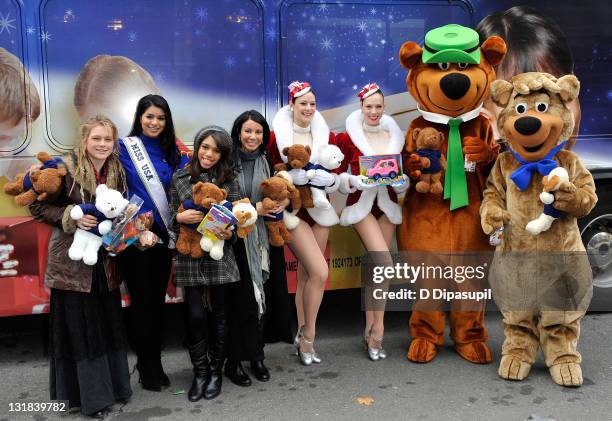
[296,342]
[374,354]
[306,358]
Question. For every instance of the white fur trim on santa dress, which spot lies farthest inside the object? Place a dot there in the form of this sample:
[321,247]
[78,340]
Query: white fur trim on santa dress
[358,211]
[282,124]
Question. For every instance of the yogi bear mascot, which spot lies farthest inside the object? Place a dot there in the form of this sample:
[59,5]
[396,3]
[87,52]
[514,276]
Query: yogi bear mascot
[449,78]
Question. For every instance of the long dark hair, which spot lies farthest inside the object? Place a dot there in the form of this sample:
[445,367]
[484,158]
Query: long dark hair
[168,136]
[535,42]
[257,118]
[223,170]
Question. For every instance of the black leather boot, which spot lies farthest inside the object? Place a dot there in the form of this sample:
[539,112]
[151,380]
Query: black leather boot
[235,372]
[212,388]
[201,371]
[260,371]
[148,377]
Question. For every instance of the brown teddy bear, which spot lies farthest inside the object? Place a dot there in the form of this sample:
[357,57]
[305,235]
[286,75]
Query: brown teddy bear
[204,196]
[532,275]
[40,184]
[449,78]
[278,190]
[298,157]
[428,142]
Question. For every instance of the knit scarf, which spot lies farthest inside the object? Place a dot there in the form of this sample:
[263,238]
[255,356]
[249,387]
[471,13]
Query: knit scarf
[256,243]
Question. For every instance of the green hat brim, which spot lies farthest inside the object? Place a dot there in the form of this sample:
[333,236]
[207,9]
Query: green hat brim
[451,56]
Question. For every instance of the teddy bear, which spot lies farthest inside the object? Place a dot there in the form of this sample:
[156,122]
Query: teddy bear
[550,183]
[189,240]
[542,284]
[449,78]
[108,205]
[38,185]
[428,142]
[279,190]
[330,158]
[298,157]
[246,215]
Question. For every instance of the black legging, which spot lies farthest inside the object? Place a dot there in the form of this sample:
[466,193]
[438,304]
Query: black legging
[208,324]
[146,274]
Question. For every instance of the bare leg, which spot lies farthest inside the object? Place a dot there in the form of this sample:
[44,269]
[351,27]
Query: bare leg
[314,272]
[376,236]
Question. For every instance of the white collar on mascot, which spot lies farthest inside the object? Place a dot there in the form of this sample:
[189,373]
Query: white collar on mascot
[443,119]
[282,124]
[354,128]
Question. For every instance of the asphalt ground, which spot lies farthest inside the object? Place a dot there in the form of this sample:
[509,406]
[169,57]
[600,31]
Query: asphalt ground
[346,386]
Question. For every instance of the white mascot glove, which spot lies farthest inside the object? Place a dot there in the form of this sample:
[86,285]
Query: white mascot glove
[401,188]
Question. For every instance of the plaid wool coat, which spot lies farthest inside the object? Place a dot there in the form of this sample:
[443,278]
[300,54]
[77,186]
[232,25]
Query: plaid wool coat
[202,271]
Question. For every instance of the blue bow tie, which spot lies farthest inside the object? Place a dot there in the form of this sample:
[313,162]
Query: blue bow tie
[522,175]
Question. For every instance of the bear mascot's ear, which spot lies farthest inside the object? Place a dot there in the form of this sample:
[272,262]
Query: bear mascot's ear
[308,149]
[494,49]
[500,92]
[570,87]
[410,54]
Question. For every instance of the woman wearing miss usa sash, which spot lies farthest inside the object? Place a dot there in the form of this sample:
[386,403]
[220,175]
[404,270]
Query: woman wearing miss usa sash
[150,155]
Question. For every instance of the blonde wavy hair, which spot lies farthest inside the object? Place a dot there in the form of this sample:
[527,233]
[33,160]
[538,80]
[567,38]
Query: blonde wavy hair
[83,171]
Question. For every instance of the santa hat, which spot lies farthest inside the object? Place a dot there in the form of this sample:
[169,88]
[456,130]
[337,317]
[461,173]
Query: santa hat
[297,89]
[367,90]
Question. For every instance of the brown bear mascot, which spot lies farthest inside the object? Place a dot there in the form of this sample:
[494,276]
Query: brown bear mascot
[541,279]
[449,79]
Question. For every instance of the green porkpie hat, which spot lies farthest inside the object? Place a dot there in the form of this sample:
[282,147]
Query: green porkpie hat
[453,44]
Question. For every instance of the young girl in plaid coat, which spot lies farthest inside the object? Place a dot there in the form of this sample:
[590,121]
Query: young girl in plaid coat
[207,282]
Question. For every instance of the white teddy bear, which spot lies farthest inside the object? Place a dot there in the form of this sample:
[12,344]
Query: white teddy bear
[330,157]
[552,182]
[109,204]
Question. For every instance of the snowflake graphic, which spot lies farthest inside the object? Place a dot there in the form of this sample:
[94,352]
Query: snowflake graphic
[160,77]
[300,34]
[132,36]
[327,44]
[201,13]
[354,87]
[323,7]
[373,11]
[229,62]
[362,26]
[6,23]
[271,33]
[30,30]
[362,69]
[45,36]
[331,82]
[383,41]
[69,12]
[342,79]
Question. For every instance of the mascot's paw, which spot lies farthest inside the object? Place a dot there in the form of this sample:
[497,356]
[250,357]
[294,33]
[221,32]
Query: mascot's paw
[421,351]
[513,368]
[566,374]
[475,352]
